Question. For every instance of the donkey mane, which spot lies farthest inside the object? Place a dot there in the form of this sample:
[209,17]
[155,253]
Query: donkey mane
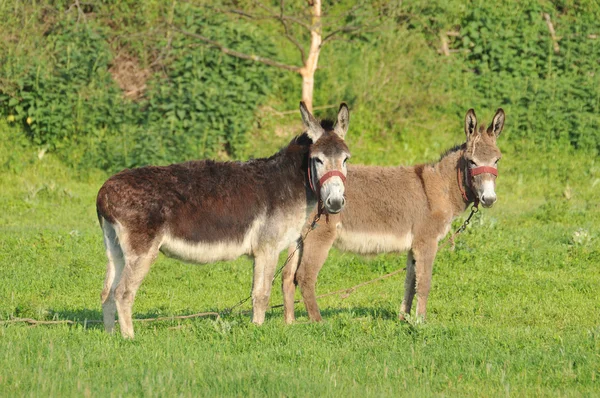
[304,140]
[327,124]
[298,143]
[452,150]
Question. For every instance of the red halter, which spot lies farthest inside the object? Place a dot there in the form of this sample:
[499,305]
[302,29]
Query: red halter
[325,177]
[472,173]
[483,169]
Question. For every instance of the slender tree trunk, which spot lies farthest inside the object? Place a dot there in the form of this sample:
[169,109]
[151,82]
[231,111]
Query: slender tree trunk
[308,70]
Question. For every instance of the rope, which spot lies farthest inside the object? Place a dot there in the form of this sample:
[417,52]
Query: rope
[35,322]
[346,292]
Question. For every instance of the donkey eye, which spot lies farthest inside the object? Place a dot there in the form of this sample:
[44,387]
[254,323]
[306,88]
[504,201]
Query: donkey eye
[472,163]
[345,160]
[317,160]
[497,160]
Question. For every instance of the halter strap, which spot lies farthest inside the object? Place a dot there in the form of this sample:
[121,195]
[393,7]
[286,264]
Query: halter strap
[459,178]
[472,173]
[483,169]
[330,174]
[324,178]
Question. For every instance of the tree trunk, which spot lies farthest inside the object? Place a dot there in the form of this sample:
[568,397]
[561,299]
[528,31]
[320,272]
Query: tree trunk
[308,70]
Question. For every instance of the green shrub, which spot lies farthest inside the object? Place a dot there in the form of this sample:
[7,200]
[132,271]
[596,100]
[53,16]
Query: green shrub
[553,98]
[56,83]
[199,103]
[205,102]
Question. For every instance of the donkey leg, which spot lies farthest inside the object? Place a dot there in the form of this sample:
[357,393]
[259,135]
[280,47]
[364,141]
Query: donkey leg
[109,306]
[114,267]
[314,253]
[409,287]
[424,255]
[136,269]
[264,271]
[313,257]
[288,286]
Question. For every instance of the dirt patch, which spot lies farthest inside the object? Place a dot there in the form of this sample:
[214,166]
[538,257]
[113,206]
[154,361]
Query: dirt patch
[128,74]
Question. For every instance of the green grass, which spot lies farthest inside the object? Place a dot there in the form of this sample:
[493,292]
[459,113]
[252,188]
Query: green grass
[513,310]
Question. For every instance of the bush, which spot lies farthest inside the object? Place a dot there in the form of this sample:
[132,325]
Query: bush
[199,103]
[552,97]
[57,77]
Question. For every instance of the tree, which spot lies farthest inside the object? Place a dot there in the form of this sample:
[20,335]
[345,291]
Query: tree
[308,21]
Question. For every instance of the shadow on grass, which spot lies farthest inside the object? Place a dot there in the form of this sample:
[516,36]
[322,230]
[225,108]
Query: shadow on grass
[92,319]
[354,312]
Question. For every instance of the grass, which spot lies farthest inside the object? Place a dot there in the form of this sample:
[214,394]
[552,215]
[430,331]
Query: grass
[513,310]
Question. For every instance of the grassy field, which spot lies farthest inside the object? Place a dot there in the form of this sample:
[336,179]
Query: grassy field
[514,310]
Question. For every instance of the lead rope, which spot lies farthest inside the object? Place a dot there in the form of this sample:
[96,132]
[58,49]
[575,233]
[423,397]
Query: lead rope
[348,291]
[344,292]
[217,315]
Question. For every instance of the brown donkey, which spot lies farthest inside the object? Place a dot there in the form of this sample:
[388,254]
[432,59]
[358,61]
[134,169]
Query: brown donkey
[395,209]
[204,211]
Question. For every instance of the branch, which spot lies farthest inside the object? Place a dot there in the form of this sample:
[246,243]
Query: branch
[445,47]
[227,11]
[283,17]
[171,318]
[233,53]
[248,15]
[345,13]
[295,111]
[36,322]
[351,29]
[272,15]
[291,38]
[80,12]
[344,29]
[552,32]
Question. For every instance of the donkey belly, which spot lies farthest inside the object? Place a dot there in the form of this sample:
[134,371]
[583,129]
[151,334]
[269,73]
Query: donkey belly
[210,250]
[203,252]
[372,242]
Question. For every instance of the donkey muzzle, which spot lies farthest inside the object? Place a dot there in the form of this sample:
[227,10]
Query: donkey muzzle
[488,194]
[332,191]
[334,205]
[487,200]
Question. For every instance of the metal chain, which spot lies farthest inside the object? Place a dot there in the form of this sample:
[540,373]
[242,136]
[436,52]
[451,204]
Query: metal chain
[474,209]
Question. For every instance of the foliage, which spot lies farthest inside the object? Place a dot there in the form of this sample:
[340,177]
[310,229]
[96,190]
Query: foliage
[59,108]
[512,310]
[206,101]
[553,97]
[200,103]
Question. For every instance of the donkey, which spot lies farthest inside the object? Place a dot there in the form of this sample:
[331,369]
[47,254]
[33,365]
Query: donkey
[204,211]
[414,210]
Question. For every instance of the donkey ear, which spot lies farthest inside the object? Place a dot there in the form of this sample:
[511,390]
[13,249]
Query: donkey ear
[470,123]
[313,127]
[343,120]
[497,124]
